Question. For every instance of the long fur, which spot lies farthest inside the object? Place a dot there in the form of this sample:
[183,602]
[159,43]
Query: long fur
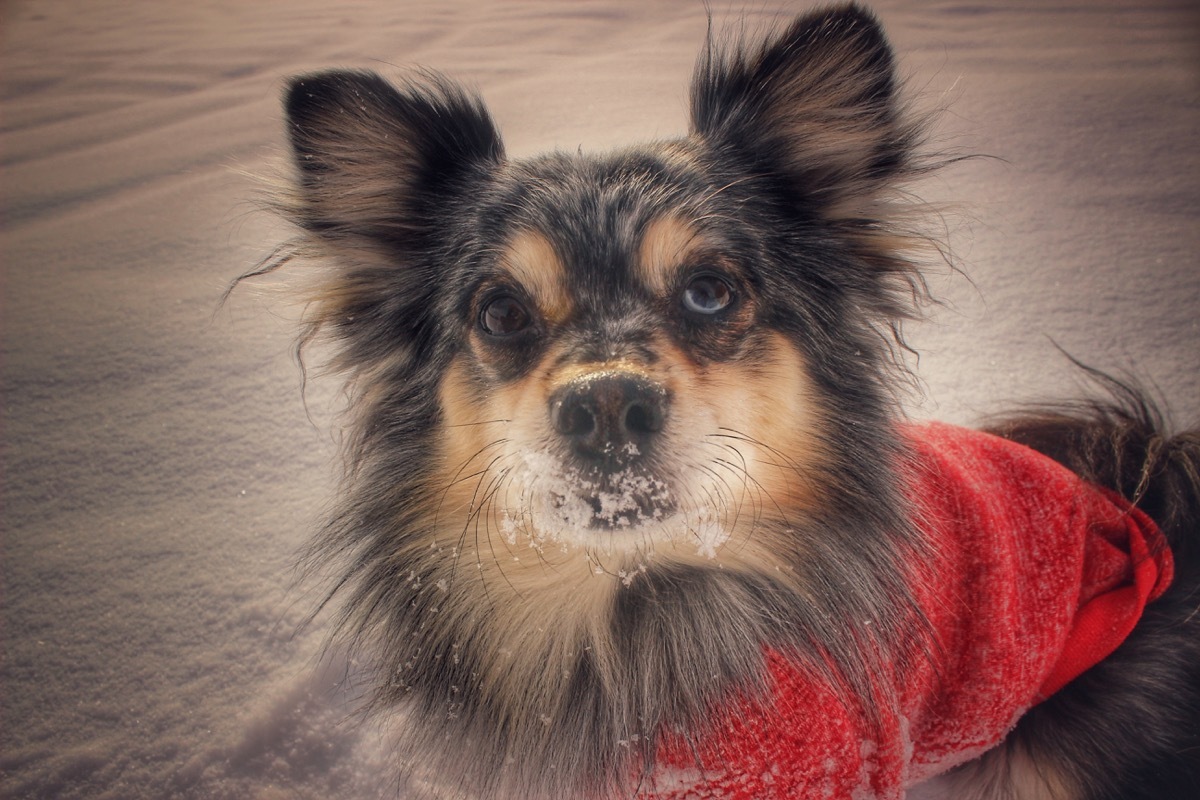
[1129,728]
[535,667]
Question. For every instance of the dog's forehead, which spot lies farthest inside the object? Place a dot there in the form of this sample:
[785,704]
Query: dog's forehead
[602,216]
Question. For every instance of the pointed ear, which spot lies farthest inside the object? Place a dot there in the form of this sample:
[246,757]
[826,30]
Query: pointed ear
[379,163]
[816,105]
[383,179]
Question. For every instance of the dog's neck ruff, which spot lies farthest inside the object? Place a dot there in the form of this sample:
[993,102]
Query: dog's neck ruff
[1032,577]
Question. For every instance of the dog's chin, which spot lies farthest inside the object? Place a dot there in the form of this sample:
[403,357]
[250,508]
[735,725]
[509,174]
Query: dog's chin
[631,510]
[567,496]
[613,502]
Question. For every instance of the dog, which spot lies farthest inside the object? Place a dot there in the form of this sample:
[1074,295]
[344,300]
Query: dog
[630,509]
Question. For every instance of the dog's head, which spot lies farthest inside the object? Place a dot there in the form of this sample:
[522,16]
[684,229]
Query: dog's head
[622,413]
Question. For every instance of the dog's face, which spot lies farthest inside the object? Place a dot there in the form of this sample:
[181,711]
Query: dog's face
[620,421]
[616,398]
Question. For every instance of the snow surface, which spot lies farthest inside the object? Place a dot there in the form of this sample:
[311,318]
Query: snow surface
[160,467]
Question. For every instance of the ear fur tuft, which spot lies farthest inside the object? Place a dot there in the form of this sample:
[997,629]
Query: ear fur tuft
[374,161]
[816,105]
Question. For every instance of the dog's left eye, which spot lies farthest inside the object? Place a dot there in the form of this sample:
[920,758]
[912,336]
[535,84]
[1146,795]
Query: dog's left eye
[707,294]
[504,316]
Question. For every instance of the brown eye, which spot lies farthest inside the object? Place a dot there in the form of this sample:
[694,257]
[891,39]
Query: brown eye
[503,316]
[707,294]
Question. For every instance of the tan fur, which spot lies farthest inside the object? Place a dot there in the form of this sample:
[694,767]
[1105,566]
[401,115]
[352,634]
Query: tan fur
[666,246]
[820,117]
[532,262]
[1008,772]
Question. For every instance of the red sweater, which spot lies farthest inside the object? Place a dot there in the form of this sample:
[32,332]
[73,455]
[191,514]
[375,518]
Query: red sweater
[1035,576]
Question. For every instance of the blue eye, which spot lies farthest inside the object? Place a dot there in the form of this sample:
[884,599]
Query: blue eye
[707,294]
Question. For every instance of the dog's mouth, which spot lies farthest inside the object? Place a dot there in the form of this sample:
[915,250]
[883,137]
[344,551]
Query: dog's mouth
[560,507]
[626,499]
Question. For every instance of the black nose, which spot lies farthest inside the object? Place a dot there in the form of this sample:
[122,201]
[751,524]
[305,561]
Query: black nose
[612,417]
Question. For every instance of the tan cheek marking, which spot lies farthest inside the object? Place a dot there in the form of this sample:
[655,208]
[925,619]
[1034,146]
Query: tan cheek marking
[771,402]
[474,442]
[474,420]
[532,261]
[479,430]
[465,431]
[776,404]
[665,247]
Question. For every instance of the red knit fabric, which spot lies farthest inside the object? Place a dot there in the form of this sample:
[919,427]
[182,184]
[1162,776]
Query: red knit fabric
[1034,576]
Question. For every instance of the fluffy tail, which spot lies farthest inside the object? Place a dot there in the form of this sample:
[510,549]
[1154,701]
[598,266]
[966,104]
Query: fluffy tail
[1121,442]
[1129,728]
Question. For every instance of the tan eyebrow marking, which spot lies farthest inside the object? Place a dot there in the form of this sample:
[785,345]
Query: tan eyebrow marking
[531,260]
[666,246]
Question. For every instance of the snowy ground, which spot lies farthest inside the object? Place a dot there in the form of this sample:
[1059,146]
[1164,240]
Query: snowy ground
[160,471]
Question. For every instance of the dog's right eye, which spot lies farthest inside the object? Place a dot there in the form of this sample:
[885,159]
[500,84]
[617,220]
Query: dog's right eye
[504,316]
